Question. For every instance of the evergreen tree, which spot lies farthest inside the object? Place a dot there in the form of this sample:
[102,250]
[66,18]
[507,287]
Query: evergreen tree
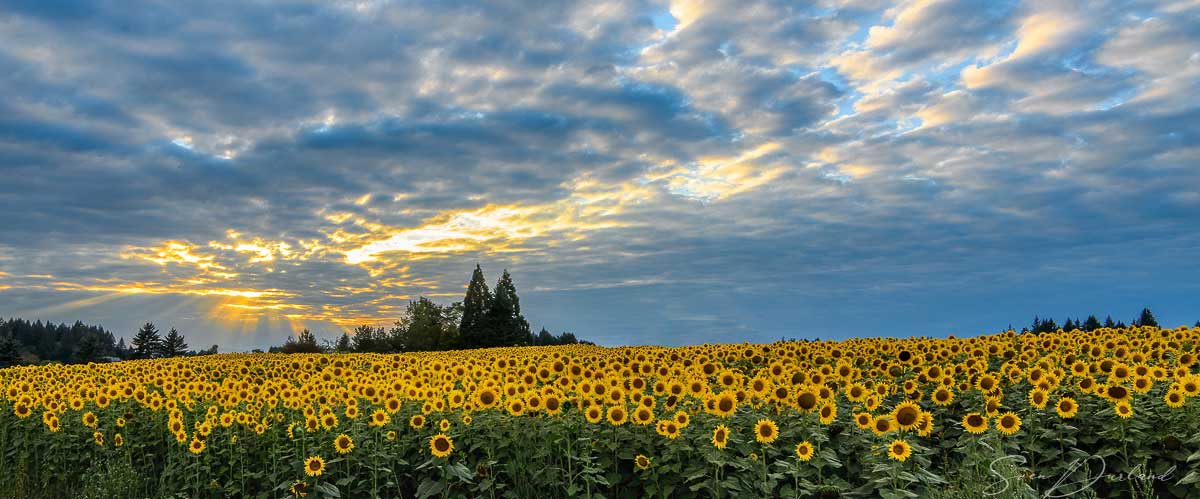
[1146,319]
[544,338]
[173,344]
[1197,324]
[474,329]
[343,344]
[122,350]
[1091,324]
[1108,322]
[508,326]
[146,342]
[89,349]
[10,351]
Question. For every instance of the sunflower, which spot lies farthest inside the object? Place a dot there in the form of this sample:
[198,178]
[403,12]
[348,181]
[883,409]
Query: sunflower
[417,422]
[299,488]
[197,446]
[1008,423]
[98,438]
[828,413]
[594,414]
[863,420]
[343,444]
[975,423]
[441,445]
[882,425]
[899,450]
[682,419]
[1123,409]
[766,431]
[1066,408]
[725,404]
[804,450]
[1174,399]
[906,415]
[943,396]
[668,428]
[925,427]
[720,436]
[516,406]
[118,440]
[466,419]
[380,418]
[1116,393]
[444,425]
[1038,399]
[617,415]
[643,416]
[89,420]
[642,462]
[314,465]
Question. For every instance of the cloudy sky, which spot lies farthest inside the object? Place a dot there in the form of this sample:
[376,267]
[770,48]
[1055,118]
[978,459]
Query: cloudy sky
[650,172]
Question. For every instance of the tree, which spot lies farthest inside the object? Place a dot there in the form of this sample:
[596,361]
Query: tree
[146,342]
[1108,322]
[474,327]
[426,326]
[1197,324]
[89,349]
[10,351]
[508,326]
[173,345]
[1146,319]
[364,339]
[544,338]
[343,344]
[122,350]
[303,342]
[1091,324]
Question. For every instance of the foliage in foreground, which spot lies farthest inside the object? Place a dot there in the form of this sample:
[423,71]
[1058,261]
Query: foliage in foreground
[1104,413]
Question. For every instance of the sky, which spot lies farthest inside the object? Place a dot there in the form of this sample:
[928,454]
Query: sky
[649,172]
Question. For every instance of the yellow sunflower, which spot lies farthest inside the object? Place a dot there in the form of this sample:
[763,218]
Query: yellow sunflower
[441,445]
[899,450]
[314,465]
[804,450]
[720,436]
[343,444]
[766,431]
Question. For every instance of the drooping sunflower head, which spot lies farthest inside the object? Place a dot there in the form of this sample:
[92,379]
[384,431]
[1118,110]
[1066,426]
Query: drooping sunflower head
[299,488]
[766,431]
[441,445]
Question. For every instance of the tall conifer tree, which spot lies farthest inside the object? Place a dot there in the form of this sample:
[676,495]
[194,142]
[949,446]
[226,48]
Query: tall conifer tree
[474,328]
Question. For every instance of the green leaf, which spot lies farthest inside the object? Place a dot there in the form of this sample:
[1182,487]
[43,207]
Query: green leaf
[428,488]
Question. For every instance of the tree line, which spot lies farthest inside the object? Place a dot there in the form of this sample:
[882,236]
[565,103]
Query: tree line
[1047,325]
[26,342]
[485,318]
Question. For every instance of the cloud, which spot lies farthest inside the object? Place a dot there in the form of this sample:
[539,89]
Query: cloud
[650,172]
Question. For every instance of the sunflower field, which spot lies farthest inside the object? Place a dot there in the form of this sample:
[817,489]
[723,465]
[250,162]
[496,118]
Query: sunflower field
[1105,413]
